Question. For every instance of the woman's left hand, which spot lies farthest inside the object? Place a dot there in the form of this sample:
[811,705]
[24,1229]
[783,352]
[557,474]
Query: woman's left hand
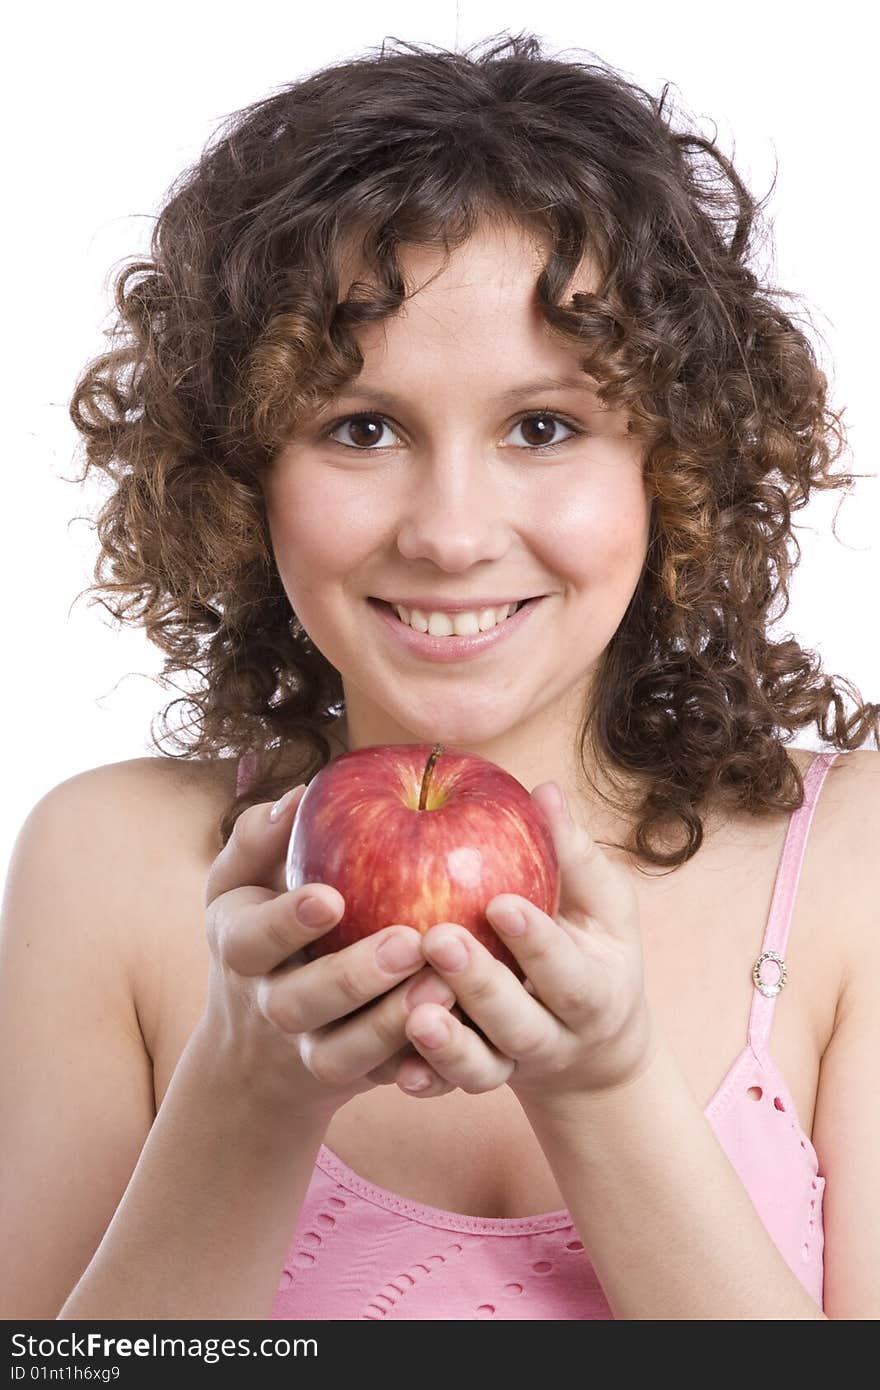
[586,1027]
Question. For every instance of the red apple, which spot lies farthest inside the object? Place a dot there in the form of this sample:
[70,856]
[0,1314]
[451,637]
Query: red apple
[414,834]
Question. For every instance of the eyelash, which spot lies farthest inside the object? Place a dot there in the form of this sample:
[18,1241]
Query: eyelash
[539,449]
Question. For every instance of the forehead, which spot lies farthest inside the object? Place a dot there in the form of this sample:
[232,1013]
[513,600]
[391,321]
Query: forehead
[500,253]
[470,325]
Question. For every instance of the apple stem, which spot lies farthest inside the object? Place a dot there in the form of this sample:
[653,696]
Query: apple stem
[426,776]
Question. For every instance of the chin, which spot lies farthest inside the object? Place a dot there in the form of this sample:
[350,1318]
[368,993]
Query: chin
[468,729]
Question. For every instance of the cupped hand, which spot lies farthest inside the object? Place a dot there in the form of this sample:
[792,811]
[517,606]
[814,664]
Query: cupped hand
[581,1022]
[328,1028]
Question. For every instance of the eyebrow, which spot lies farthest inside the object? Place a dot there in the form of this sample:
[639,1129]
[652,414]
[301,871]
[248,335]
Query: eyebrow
[530,388]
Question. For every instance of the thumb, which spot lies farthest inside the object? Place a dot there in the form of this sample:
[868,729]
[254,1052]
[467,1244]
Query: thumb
[255,852]
[590,884]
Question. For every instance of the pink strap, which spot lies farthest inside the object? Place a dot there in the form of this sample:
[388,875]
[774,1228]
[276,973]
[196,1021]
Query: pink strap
[247,767]
[781,908]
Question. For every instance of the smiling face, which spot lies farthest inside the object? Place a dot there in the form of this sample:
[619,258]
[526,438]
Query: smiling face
[447,491]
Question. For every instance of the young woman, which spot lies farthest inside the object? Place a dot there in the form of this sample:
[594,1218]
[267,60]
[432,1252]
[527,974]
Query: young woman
[422,337]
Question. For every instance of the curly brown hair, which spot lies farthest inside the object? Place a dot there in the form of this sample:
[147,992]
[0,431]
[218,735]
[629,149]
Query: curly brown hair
[231,333]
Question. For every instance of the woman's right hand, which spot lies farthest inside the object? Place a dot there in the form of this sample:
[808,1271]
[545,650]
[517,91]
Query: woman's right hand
[332,1027]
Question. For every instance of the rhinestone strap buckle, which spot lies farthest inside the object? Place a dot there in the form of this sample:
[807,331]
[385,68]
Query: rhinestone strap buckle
[770,991]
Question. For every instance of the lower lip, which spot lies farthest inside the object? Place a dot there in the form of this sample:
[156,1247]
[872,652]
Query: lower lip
[452,648]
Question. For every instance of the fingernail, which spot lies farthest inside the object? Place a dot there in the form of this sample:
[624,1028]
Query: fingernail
[399,952]
[559,797]
[312,912]
[282,804]
[418,1083]
[509,920]
[448,952]
[432,1034]
[429,990]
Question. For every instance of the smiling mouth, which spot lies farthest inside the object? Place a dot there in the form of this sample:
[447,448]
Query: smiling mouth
[443,625]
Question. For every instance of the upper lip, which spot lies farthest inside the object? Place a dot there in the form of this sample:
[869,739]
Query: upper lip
[455,605]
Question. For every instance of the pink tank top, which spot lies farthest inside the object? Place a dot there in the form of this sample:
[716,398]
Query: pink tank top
[360,1251]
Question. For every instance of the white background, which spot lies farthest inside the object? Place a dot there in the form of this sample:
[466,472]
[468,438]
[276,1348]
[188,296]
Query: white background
[106,103]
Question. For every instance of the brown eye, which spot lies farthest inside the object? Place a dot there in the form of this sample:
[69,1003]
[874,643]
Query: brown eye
[542,429]
[359,431]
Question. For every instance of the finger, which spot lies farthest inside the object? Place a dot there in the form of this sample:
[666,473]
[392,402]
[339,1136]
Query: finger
[425,987]
[513,1020]
[386,1073]
[570,977]
[414,1076]
[257,930]
[419,1080]
[411,1073]
[256,850]
[455,1051]
[305,997]
[590,884]
[371,1042]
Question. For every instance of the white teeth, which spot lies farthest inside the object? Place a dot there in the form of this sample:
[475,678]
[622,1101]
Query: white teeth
[443,624]
[454,624]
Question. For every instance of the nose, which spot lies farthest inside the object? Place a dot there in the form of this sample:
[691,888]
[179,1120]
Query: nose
[455,514]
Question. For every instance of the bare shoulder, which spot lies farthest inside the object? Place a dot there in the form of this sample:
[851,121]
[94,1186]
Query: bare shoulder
[846,1129]
[143,832]
[848,814]
[847,833]
[856,775]
[183,776]
[120,831]
[125,797]
[192,783]
[115,805]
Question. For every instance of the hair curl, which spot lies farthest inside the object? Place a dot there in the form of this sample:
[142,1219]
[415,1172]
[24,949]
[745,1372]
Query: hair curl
[231,332]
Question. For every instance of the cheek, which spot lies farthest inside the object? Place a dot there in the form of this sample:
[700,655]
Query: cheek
[598,537]
[316,528]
